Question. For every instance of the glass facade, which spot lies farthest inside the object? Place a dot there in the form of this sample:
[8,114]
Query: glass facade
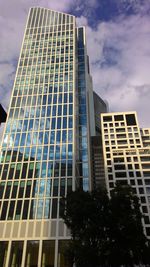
[37,150]
[45,145]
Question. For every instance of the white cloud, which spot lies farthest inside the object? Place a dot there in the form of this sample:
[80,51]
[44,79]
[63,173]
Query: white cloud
[120,63]
[119,51]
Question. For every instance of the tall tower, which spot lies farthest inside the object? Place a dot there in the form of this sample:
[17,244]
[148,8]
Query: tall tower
[45,148]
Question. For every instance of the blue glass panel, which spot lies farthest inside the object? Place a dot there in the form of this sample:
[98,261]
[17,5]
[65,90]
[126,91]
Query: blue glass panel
[17,139]
[63,152]
[39,153]
[25,125]
[82,109]
[69,151]
[54,111]
[70,98]
[43,113]
[46,138]
[70,135]
[44,99]
[51,153]
[41,137]
[70,109]
[60,99]
[37,112]
[42,187]
[52,138]
[31,124]
[49,99]
[48,187]
[48,111]
[58,123]
[82,120]
[64,136]
[55,99]
[85,184]
[64,122]
[65,98]
[45,153]
[85,169]
[53,123]
[70,122]
[58,135]
[57,155]
[43,169]
[47,208]
[65,110]
[47,127]
[33,150]
[59,110]
[40,209]
[50,169]
[23,138]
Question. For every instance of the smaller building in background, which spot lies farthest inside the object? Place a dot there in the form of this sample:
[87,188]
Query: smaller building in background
[126,151]
[98,177]
[3,115]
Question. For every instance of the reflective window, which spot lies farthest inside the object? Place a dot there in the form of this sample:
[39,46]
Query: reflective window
[48,252]
[16,254]
[32,253]
[3,253]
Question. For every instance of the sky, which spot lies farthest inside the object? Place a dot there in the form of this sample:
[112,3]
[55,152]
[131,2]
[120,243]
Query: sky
[118,43]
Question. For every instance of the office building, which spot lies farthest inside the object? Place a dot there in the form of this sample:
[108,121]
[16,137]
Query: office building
[126,151]
[97,160]
[46,142]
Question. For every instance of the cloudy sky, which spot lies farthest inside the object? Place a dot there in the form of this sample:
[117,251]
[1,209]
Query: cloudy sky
[118,38]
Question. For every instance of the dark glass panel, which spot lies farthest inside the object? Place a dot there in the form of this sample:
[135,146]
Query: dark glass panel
[54,208]
[14,190]
[11,210]
[48,253]
[4,210]
[32,254]
[3,253]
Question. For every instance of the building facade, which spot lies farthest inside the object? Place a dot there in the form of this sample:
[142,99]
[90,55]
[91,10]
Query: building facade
[46,142]
[126,150]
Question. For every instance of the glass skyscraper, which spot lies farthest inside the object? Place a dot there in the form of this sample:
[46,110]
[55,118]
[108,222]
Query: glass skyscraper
[46,143]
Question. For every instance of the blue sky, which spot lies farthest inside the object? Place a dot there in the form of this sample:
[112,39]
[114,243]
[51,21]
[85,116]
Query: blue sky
[118,42]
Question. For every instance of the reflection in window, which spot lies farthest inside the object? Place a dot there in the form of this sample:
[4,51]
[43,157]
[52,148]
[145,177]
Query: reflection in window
[48,252]
[40,209]
[16,254]
[3,253]
[32,253]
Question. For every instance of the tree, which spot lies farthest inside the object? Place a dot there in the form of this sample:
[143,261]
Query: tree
[128,244]
[85,214]
[105,231]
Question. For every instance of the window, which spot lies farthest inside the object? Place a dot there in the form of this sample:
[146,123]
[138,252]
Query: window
[130,119]
[107,119]
[118,117]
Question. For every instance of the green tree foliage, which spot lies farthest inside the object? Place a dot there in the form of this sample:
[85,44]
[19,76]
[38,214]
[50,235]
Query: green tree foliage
[105,231]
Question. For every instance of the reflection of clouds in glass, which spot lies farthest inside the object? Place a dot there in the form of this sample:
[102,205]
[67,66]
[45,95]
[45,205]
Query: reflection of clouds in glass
[32,112]
[33,151]
[47,124]
[26,113]
[42,123]
[35,138]
[19,126]
[14,125]
[8,140]
[38,111]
